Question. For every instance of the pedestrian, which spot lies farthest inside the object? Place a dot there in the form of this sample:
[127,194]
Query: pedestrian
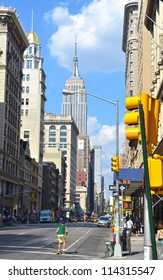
[130,224]
[124,224]
[137,225]
[127,217]
[62,231]
[159,236]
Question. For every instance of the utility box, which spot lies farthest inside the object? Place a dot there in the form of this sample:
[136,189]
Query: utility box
[125,237]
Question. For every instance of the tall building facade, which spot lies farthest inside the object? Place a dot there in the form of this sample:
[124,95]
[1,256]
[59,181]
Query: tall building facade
[98,179]
[130,48]
[61,132]
[137,47]
[74,101]
[33,102]
[33,97]
[13,44]
[57,156]
[153,23]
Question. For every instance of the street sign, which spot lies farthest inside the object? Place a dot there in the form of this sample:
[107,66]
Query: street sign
[112,187]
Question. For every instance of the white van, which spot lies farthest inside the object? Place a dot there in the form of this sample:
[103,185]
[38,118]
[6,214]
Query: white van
[46,216]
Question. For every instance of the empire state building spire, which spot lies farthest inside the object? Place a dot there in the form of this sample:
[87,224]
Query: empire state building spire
[74,97]
[75,71]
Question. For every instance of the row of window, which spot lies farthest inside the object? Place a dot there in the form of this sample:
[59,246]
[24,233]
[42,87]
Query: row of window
[24,112]
[14,62]
[12,102]
[25,102]
[26,77]
[25,89]
[13,87]
[11,117]
[32,50]
[74,87]
[32,64]
[53,133]
[61,146]
[53,127]
[61,140]
[11,150]
[11,134]
[10,168]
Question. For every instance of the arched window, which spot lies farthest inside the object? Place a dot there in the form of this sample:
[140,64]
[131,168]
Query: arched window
[52,130]
[52,127]
[63,127]
[62,130]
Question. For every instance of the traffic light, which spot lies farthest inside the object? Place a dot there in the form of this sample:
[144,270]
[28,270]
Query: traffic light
[155,167]
[151,109]
[115,164]
[132,117]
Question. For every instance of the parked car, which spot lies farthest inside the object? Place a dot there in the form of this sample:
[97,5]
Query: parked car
[104,221]
[89,220]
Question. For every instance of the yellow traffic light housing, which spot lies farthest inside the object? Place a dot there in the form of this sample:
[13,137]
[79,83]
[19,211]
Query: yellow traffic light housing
[155,167]
[132,117]
[151,109]
[115,164]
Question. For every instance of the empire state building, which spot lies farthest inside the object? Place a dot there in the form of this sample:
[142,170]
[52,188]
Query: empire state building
[74,101]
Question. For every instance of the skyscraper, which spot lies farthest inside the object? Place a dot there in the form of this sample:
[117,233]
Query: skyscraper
[13,43]
[74,101]
[75,104]
[32,109]
[33,97]
[98,167]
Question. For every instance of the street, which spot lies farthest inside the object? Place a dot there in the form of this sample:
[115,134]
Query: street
[39,242]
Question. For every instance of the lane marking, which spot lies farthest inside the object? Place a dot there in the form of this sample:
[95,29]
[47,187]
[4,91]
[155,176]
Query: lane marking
[32,247]
[78,240]
[54,253]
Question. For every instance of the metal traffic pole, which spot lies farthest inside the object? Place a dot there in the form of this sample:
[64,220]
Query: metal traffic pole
[117,248]
[150,251]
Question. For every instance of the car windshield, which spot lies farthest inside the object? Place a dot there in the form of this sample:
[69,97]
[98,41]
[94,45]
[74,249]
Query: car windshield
[104,218]
[44,215]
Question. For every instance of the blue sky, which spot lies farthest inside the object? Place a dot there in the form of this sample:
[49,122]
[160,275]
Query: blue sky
[98,25]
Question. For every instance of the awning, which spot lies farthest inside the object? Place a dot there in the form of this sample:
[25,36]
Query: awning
[131,178]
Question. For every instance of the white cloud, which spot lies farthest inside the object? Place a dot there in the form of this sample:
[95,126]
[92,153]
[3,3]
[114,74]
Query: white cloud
[98,26]
[92,125]
[105,136]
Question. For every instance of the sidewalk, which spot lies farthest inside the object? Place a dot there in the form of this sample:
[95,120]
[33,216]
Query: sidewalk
[137,249]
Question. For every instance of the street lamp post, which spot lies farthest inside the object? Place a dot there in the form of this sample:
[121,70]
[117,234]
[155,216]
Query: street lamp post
[117,248]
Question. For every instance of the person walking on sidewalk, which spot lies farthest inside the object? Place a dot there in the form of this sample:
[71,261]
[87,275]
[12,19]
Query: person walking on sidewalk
[62,231]
[130,225]
[137,225]
[159,236]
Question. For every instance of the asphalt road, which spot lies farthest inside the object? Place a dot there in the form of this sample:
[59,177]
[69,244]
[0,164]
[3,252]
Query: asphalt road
[39,242]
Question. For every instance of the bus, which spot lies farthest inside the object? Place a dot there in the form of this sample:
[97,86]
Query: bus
[46,216]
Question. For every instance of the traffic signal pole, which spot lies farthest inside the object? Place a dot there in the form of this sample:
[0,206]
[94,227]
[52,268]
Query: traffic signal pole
[150,251]
[117,248]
